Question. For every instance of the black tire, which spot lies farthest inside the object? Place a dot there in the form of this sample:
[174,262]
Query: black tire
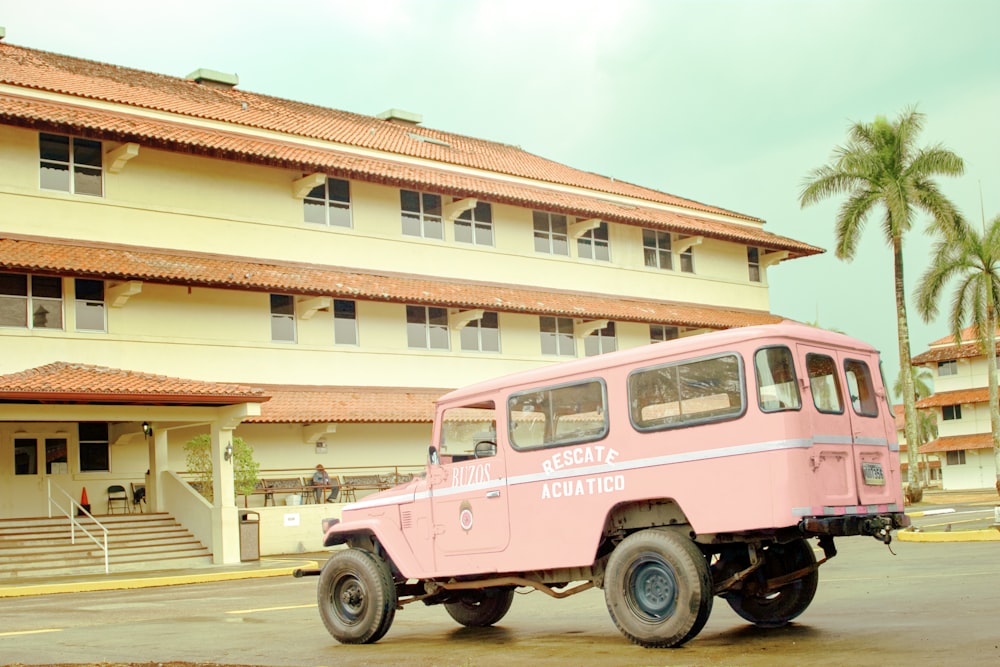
[481,608]
[357,597]
[777,608]
[658,588]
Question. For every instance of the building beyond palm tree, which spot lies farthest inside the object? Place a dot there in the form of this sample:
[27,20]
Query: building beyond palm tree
[961,404]
[180,257]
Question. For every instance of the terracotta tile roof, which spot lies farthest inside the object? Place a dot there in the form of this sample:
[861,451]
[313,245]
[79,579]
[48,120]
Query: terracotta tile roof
[956,442]
[968,334]
[899,416]
[111,262]
[945,349]
[957,397]
[83,383]
[304,404]
[142,90]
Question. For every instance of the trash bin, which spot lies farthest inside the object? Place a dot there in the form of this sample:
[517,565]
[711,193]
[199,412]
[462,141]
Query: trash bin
[249,536]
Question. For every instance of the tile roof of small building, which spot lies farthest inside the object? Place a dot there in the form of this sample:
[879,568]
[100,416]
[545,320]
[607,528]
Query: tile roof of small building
[957,397]
[954,443]
[118,262]
[302,404]
[287,133]
[83,383]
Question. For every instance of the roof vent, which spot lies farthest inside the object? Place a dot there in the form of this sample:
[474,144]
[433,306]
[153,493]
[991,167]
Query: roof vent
[210,77]
[401,117]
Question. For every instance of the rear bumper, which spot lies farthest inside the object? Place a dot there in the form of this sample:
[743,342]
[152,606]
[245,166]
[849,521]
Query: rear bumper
[873,525]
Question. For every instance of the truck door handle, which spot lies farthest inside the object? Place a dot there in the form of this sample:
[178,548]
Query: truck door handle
[492,494]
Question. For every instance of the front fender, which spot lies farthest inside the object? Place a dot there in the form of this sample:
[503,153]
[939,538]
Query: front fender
[387,535]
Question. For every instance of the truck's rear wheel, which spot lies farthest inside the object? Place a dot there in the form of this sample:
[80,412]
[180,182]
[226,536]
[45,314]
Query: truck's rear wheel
[357,597]
[658,588]
[481,608]
[775,609]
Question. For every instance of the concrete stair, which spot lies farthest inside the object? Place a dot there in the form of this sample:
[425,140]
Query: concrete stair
[42,547]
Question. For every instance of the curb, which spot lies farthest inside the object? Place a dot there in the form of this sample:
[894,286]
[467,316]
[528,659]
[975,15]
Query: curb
[90,585]
[985,535]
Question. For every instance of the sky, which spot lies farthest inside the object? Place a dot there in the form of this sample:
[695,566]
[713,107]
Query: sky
[731,103]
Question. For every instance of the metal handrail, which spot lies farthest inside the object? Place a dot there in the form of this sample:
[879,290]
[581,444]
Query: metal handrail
[74,524]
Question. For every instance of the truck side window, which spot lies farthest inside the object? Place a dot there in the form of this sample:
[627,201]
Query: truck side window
[823,384]
[777,386]
[861,388]
[558,415]
[688,392]
[463,428]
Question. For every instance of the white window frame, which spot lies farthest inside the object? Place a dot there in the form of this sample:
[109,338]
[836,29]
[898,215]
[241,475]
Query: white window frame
[32,305]
[474,223]
[600,341]
[280,320]
[345,328]
[955,457]
[481,335]
[77,174]
[753,264]
[662,332]
[427,328]
[946,368]
[551,233]
[595,244]
[106,442]
[85,307]
[426,222]
[556,333]
[658,246]
[326,200]
[951,412]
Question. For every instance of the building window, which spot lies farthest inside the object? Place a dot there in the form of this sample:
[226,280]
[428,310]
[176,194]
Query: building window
[94,447]
[656,249]
[421,214]
[753,264]
[951,412]
[482,335]
[551,234]
[90,310]
[956,458]
[329,204]
[662,332]
[947,368]
[600,341]
[557,336]
[70,164]
[33,302]
[687,260]
[345,322]
[427,328]
[594,244]
[475,225]
[282,318]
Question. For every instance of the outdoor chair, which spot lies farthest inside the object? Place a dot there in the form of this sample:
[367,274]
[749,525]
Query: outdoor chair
[117,497]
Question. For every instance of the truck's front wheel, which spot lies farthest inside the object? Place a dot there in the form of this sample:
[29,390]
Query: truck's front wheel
[481,608]
[658,588]
[775,608]
[357,597]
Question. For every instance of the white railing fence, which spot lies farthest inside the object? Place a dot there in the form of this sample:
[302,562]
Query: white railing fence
[74,510]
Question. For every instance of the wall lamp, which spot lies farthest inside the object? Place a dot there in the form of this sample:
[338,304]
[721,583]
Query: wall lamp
[147,430]
[228,453]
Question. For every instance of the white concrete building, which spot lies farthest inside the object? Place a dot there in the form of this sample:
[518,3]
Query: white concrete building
[179,256]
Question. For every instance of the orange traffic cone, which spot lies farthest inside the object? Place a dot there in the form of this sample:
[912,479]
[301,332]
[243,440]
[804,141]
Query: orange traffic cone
[84,503]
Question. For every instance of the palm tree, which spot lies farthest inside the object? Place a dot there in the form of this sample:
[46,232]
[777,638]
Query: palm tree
[881,167]
[923,386]
[974,262]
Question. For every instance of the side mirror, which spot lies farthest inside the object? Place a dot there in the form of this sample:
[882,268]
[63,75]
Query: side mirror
[485,449]
[432,456]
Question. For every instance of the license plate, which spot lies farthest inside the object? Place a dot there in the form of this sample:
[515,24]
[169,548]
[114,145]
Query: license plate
[873,474]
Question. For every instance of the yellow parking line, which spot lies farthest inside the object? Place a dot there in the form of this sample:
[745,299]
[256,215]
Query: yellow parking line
[29,632]
[257,611]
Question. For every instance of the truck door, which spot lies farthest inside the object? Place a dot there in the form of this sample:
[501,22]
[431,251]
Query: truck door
[876,474]
[824,400]
[469,489]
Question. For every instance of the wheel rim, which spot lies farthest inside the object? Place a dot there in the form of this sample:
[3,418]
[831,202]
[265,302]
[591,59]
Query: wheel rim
[348,599]
[651,588]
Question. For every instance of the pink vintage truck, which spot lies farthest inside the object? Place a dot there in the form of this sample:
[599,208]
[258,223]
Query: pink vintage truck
[666,475]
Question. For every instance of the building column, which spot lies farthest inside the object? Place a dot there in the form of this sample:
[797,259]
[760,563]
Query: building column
[225,516]
[157,466]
